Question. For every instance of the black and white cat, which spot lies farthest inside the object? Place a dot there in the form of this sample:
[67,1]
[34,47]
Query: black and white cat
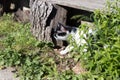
[63,32]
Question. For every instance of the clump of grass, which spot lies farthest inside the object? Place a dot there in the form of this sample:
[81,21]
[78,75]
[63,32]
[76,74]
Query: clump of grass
[102,58]
[15,39]
[33,59]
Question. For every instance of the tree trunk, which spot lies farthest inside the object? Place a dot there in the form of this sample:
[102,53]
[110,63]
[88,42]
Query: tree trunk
[1,9]
[44,17]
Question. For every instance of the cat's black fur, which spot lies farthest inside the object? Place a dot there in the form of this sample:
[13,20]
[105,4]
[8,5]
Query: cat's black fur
[62,32]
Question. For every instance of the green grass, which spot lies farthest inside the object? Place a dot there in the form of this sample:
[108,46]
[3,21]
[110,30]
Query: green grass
[36,60]
[18,48]
[15,35]
[103,55]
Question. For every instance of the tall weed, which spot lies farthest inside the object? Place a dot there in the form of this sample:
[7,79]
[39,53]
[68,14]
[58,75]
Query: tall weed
[103,55]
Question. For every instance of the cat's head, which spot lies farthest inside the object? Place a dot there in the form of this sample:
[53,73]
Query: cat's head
[62,32]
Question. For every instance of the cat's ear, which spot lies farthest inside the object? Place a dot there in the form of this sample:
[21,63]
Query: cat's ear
[61,26]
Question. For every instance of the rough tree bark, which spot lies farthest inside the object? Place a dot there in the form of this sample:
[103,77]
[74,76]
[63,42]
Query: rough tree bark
[43,17]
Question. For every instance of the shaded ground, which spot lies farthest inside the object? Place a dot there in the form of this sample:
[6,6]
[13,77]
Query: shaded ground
[63,63]
[66,62]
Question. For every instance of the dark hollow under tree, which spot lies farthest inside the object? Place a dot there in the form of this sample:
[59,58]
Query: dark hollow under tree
[44,17]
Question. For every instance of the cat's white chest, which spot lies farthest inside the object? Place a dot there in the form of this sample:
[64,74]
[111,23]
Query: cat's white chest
[79,37]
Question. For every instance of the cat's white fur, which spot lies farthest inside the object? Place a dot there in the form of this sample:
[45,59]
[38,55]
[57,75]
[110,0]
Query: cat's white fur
[62,37]
[78,35]
[78,38]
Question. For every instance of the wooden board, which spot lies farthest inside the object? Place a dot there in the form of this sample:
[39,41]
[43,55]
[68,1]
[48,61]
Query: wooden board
[89,5]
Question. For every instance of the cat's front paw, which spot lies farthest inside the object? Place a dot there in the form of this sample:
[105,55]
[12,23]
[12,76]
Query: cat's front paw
[63,52]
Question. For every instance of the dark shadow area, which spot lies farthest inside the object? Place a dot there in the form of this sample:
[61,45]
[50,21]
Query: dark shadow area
[75,16]
[51,16]
[10,6]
